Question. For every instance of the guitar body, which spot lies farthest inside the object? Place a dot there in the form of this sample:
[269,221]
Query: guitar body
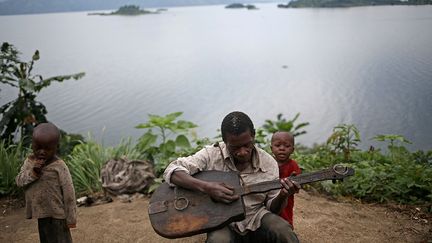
[176,212]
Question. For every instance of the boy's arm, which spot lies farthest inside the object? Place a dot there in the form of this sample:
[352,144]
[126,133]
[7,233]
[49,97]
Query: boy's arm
[26,175]
[68,196]
[288,188]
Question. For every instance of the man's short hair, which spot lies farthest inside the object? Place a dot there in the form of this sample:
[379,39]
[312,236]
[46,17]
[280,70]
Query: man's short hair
[236,123]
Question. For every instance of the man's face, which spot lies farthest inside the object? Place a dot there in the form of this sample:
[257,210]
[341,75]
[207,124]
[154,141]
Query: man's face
[240,146]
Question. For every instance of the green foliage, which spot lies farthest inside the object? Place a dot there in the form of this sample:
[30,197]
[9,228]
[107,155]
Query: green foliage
[401,177]
[282,124]
[402,181]
[422,157]
[394,140]
[19,116]
[345,138]
[167,124]
[68,142]
[11,158]
[86,161]
[397,176]
[169,142]
[264,133]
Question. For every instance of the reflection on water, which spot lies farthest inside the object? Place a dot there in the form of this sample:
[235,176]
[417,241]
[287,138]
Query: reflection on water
[369,66]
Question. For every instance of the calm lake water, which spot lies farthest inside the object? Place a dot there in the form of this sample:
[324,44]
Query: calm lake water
[369,66]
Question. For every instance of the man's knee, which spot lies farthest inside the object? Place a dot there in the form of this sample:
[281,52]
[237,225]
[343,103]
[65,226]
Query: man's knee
[281,229]
[223,235]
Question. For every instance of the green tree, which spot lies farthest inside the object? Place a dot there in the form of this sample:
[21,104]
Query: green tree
[19,116]
[345,138]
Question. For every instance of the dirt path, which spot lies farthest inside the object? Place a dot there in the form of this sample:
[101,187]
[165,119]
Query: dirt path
[317,219]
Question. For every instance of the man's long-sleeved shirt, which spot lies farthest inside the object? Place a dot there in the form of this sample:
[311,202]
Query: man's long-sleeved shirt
[216,157]
[50,195]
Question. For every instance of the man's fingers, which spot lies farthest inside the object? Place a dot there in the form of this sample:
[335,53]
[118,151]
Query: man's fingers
[228,186]
[229,194]
[228,199]
[227,189]
[297,186]
[290,187]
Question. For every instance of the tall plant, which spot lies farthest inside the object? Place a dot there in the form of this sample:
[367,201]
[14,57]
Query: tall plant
[345,138]
[168,141]
[19,116]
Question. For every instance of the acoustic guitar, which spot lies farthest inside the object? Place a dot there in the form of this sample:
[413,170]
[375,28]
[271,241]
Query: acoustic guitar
[176,212]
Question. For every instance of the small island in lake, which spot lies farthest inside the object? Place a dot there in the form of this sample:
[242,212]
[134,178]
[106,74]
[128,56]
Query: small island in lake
[349,3]
[239,5]
[129,10]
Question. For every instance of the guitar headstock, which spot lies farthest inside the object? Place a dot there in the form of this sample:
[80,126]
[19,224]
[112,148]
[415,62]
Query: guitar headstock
[339,172]
[334,173]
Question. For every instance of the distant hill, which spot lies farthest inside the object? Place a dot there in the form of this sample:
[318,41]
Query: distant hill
[349,3]
[10,7]
[129,10]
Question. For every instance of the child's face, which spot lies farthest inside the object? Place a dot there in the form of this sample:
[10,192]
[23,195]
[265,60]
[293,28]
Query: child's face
[44,146]
[282,146]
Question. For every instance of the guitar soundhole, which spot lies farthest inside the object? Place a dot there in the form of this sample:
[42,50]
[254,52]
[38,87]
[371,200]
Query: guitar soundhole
[181,203]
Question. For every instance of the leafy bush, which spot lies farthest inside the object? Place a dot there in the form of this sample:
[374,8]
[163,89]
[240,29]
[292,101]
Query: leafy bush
[68,142]
[402,181]
[11,158]
[169,142]
[379,177]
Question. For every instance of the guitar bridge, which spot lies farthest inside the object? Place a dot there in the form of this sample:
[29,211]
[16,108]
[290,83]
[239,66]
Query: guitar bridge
[157,207]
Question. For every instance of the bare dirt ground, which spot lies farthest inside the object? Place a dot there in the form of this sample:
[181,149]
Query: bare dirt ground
[316,219]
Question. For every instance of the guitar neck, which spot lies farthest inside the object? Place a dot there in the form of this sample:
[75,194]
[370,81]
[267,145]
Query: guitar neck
[301,179]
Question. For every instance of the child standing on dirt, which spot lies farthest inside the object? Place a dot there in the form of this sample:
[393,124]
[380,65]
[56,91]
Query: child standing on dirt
[282,146]
[49,192]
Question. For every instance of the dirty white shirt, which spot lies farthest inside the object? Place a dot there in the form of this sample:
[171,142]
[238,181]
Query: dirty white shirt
[50,195]
[263,168]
